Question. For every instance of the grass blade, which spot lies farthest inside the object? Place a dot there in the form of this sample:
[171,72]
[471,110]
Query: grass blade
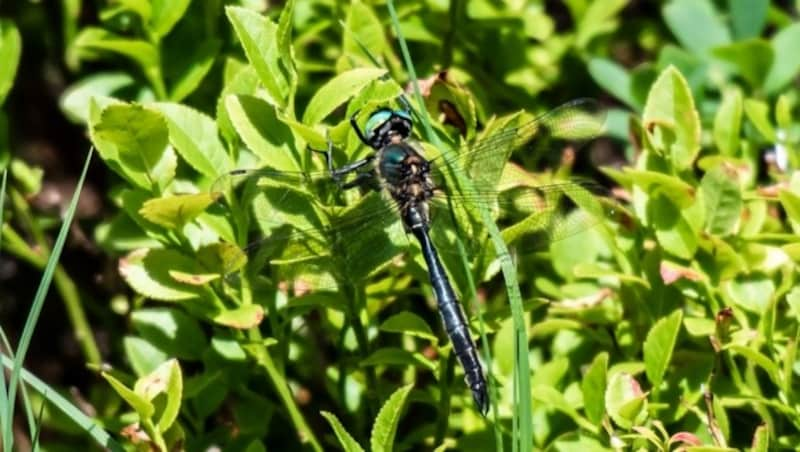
[38,303]
[85,422]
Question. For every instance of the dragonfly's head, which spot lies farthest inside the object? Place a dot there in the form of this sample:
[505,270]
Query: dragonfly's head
[384,123]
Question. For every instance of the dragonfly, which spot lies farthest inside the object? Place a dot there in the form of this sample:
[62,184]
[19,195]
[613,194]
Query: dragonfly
[401,186]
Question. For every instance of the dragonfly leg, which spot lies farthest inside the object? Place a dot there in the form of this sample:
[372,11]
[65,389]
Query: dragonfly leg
[359,181]
[337,173]
[354,125]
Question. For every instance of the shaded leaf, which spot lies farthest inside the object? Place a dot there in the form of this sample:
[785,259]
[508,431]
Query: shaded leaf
[171,330]
[192,73]
[164,14]
[752,58]
[76,99]
[783,69]
[408,323]
[92,40]
[696,25]
[614,79]
[748,17]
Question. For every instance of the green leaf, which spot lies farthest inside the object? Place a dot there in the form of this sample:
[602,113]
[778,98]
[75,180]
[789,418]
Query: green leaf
[242,318]
[239,79]
[406,322]
[348,443]
[393,356]
[748,17]
[267,136]
[759,359]
[791,204]
[76,99]
[164,14]
[783,112]
[5,149]
[625,401]
[133,141]
[92,40]
[752,292]
[752,59]
[10,51]
[196,68]
[783,69]
[593,386]
[148,273]
[173,212]
[656,183]
[385,427]
[143,356]
[599,18]
[761,439]
[758,113]
[671,120]
[659,346]
[696,25]
[722,198]
[337,90]
[194,135]
[172,331]
[362,27]
[614,79]
[166,379]
[676,228]
[143,407]
[259,38]
[728,123]
[551,398]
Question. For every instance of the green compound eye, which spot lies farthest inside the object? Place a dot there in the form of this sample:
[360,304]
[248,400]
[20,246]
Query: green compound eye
[376,119]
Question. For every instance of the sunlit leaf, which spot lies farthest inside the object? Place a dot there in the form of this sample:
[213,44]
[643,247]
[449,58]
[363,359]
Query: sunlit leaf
[385,427]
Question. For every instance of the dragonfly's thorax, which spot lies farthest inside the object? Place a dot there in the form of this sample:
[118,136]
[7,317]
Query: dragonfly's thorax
[406,176]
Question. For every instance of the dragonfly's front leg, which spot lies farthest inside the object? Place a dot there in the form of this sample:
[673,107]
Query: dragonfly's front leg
[338,173]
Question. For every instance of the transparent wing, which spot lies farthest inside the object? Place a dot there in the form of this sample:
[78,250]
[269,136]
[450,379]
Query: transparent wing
[299,237]
[530,217]
[482,161]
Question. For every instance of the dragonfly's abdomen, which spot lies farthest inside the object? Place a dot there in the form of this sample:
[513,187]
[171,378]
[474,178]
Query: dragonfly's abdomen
[453,318]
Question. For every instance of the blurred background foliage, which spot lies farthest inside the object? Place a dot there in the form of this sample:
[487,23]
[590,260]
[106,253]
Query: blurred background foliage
[674,323]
